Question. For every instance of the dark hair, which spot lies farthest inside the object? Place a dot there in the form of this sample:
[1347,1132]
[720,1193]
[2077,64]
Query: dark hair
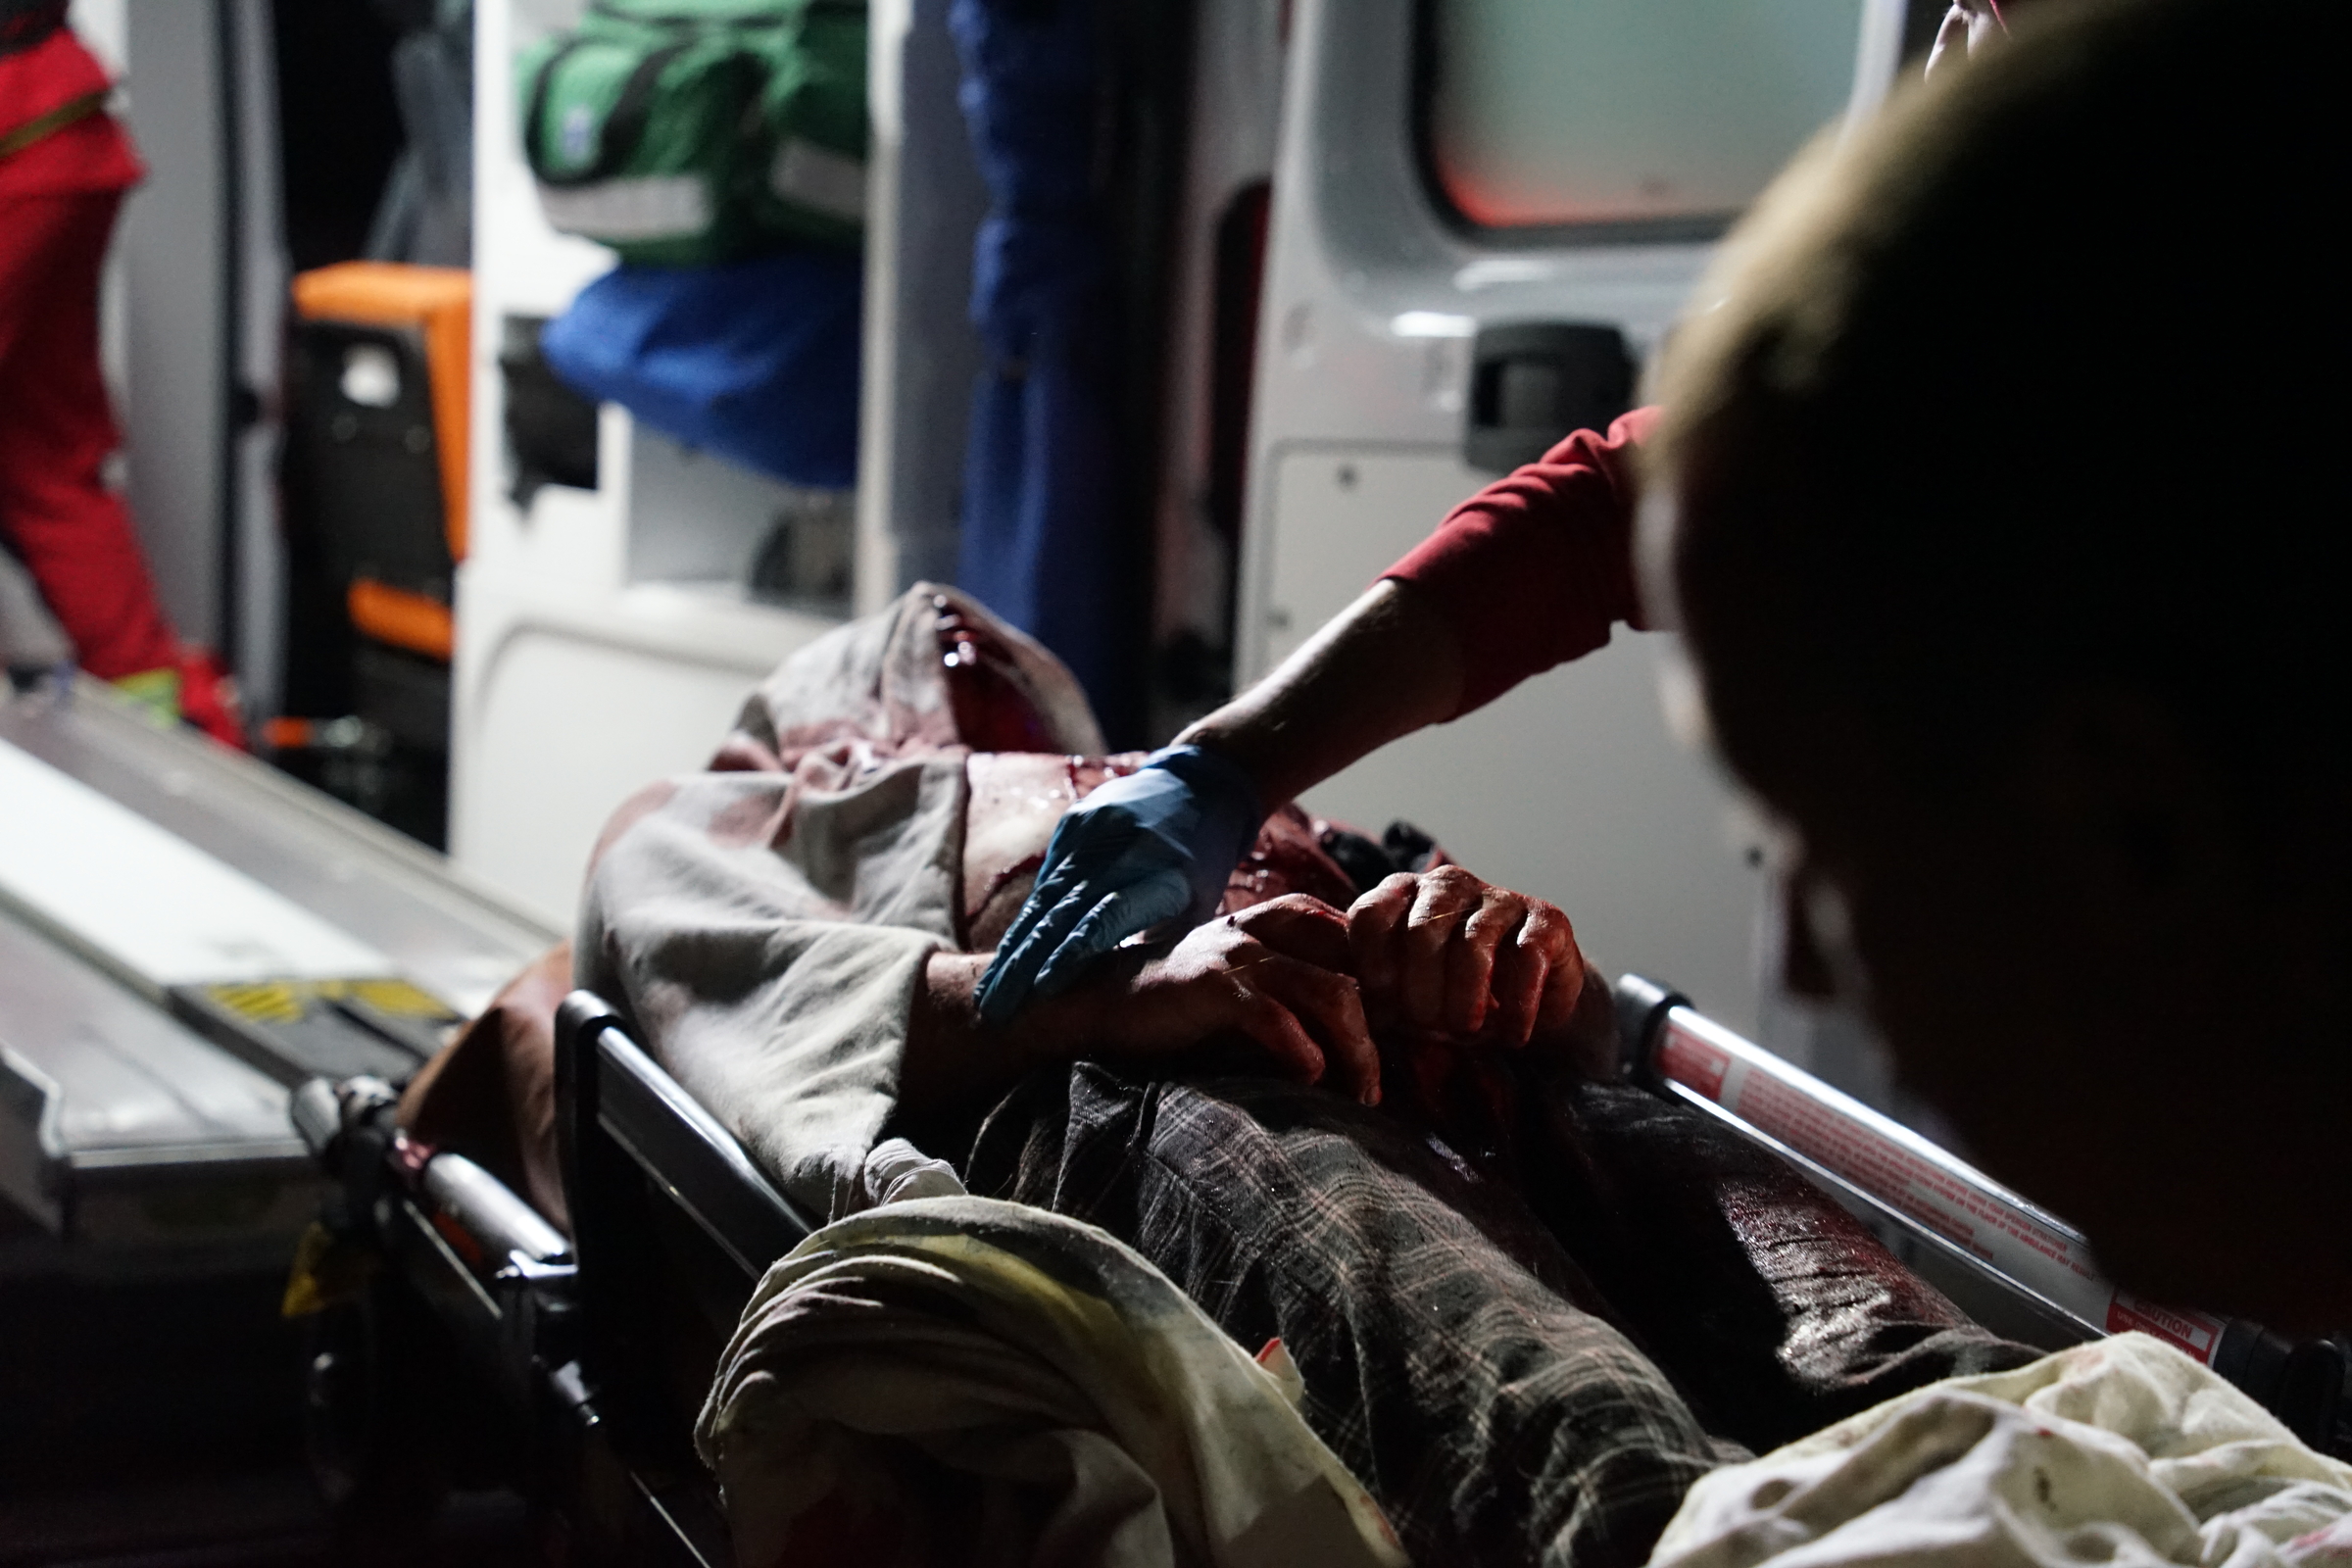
[2035,381]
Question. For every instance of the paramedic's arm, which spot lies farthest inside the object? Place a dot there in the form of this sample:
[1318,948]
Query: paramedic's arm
[1532,571]
[1385,666]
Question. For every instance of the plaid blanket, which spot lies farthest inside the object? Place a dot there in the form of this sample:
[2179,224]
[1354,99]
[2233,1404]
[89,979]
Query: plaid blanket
[1484,1380]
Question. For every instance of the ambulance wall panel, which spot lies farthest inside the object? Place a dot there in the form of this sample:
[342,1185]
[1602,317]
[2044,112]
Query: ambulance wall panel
[174,256]
[568,705]
[1571,787]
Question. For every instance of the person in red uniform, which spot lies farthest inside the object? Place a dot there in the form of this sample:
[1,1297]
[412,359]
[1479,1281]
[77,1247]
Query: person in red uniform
[1533,571]
[65,164]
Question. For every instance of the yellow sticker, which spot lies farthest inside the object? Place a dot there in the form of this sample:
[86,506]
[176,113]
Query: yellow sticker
[265,1002]
[399,999]
[289,1001]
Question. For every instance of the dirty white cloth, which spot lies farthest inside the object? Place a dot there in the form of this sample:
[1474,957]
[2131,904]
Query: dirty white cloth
[2121,1451]
[965,1381]
[893,1171]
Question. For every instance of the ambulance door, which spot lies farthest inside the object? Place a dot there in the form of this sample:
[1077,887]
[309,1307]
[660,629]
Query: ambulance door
[1487,214]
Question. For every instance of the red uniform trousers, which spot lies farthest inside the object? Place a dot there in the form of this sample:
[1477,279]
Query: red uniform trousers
[56,430]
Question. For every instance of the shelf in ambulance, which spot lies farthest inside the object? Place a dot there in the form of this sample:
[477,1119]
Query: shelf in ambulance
[184,935]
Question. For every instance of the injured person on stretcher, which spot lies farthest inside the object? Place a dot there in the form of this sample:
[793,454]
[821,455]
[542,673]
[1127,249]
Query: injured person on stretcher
[1528,1308]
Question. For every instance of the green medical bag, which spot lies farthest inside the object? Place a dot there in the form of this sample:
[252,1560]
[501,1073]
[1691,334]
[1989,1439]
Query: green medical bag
[687,131]
[813,113]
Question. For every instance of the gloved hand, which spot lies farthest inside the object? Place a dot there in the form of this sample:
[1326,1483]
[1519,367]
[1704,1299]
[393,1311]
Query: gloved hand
[1156,845]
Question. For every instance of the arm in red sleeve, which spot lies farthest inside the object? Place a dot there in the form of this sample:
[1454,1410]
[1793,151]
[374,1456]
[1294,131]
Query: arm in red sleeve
[1537,568]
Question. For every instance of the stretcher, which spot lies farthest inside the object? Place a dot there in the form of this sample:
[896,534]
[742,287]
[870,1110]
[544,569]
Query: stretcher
[592,1353]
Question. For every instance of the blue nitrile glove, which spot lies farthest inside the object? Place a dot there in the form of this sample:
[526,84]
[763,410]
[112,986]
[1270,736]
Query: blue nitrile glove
[1154,846]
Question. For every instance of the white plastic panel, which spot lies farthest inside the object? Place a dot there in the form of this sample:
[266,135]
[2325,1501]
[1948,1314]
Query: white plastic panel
[697,517]
[1570,787]
[173,247]
[602,639]
[569,707]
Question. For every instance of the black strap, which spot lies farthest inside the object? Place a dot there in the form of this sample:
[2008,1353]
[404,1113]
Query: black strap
[623,127]
[536,110]
[19,137]
[25,23]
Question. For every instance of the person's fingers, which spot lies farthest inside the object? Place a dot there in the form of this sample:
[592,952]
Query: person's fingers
[1284,1038]
[1564,979]
[1375,923]
[1162,895]
[1333,1011]
[1446,896]
[1301,926]
[1094,853]
[1081,844]
[1033,909]
[1005,987]
[1470,958]
[1522,967]
[1059,897]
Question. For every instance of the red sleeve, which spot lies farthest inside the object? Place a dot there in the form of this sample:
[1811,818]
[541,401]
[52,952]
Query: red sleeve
[1538,569]
[92,153]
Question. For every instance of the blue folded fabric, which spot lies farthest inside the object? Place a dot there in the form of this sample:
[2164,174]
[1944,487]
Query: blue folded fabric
[1044,540]
[756,360]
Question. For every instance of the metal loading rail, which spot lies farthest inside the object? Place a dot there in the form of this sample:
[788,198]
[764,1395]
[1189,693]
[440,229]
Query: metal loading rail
[186,934]
[1964,1230]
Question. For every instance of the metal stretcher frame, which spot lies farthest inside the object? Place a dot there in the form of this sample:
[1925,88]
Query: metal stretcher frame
[555,1340]
[651,1174]
[567,1335]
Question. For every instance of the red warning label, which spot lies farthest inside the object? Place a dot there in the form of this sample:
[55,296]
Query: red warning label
[1689,1061]
[2192,1332]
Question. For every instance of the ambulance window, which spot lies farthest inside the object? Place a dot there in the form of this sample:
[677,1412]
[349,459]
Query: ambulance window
[1542,115]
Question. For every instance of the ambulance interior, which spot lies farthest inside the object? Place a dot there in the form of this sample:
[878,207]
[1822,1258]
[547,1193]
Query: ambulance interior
[480,565]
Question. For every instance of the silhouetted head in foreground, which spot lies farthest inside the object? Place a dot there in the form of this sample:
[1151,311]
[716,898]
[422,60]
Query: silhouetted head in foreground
[2002,500]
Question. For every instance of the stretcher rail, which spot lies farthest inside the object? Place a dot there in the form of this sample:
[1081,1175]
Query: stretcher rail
[677,1145]
[1945,1205]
